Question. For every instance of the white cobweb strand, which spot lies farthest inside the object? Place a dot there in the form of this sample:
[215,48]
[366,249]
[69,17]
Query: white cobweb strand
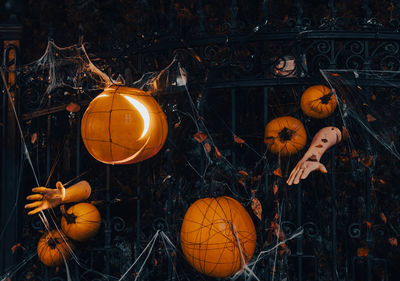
[248,269]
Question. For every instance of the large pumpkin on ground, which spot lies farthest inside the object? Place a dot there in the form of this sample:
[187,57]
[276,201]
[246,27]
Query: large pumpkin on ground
[318,102]
[214,233]
[123,125]
[81,221]
[285,136]
[52,249]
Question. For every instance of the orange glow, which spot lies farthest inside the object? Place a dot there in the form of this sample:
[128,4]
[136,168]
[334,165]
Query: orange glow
[123,125]
[217,234]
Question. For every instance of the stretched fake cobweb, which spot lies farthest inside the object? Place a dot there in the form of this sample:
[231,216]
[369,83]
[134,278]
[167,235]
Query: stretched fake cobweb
[61,70]
[370,114]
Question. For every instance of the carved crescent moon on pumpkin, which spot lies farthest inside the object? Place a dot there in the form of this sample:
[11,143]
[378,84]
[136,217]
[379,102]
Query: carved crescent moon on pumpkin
[123,125]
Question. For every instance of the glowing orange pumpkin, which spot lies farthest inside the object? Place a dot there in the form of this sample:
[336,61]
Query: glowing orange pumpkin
[81,221]
[52,248]
[210,236]
[318,102]
[285,136]
[123,125]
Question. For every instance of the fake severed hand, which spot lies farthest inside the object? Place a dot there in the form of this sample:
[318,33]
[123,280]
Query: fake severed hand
[324,139]
[50,198]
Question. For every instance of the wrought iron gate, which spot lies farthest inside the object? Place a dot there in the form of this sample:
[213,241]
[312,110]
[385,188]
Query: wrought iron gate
[250,65]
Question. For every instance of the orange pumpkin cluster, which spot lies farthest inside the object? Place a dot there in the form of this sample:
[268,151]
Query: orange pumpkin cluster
[80,222]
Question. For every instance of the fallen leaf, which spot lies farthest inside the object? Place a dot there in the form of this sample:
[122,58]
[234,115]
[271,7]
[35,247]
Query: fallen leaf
[354,153]
[207,147]
[275,189]
[383,217]
[217,153]
[278,172]
[243,173]
[33,138]
[363,252]
[256,207]
[369,224]
[238,139]
[16,246]
[367,161]
[73,107]
[393,241]
[200,137]
[373,97]
[382,181]
[370,118]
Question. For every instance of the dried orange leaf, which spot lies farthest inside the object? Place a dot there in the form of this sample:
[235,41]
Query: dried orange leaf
[363,252]
[238,139]
[369,224]
[278,172]
[370,118]
[34,138]
[256,207]
[207,147]
[16,246]
[243,173]
[200,137]
[275,188]
[383,217]
[393,241]
[367,161]
[354,153]
[73,107]
[217,153]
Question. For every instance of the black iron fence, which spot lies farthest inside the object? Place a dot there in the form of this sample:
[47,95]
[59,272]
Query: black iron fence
[258,62]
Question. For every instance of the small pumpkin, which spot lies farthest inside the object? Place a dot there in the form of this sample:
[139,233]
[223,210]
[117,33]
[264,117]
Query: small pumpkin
[81,221]
[318,102]
[285,136]
[52,248]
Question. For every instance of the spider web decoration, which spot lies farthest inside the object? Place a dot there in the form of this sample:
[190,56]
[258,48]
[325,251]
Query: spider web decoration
[370,115]
[61,70]
[218,236]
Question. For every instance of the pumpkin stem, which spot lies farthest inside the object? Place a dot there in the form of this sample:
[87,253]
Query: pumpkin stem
[286,134]
[52,243]
[70,218]
[326,98]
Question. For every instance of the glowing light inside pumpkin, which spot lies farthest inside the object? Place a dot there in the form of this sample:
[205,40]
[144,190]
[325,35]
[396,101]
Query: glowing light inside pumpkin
[143,112]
